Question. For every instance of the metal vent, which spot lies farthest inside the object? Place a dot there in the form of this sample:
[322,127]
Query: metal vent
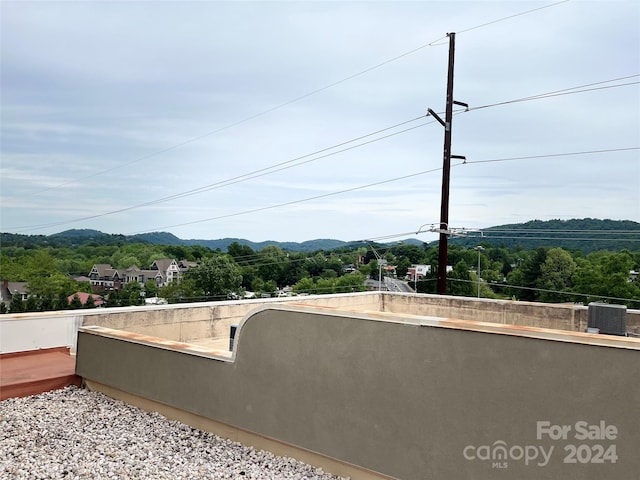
[232,336]
[609,319]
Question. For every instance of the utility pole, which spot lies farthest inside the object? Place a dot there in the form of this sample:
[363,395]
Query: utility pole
[379,261]
[446,170]
[479,248]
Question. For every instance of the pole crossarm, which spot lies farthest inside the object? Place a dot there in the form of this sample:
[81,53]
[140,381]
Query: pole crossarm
[437,117]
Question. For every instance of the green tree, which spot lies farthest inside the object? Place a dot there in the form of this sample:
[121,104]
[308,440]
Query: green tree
[375,270]
[352,282]
[32,304]
[329,273]
[61,303]
[606,274]
[527,275]
[459,281]
[315,265]
[131,294]
[366,270]
[414,254]
[51,284]
[305,285]
[75,302]
[47,303]
[151,288]
[270,287]
[294,270]
[180,292]
[257,285]
[90,303]
[10,267]
[241,253]
[403,267]
[272,264]
[325,286]
[17,304]
[217,277]
[556,274]
[126,261]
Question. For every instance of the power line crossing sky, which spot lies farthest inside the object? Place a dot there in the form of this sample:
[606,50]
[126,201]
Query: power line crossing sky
[236,119]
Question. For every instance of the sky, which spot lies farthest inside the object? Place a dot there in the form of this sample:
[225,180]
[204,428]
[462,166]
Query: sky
[292,121]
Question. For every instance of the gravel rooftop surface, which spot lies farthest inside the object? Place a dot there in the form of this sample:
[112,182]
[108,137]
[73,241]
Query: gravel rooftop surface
[78,434]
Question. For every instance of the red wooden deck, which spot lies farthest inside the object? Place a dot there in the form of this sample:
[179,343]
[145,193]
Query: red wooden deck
[36,371]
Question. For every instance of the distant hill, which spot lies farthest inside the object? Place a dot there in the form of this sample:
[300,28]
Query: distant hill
[75,237]
[160,238]
[587,235]
[79,233]
[68,238]
[164,238]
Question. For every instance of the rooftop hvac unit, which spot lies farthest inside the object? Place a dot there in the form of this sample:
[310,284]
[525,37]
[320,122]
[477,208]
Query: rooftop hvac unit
[609,319]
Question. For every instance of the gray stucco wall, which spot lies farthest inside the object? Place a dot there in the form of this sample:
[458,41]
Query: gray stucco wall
[400,395]
[191,321]
[571,317]
[187,322]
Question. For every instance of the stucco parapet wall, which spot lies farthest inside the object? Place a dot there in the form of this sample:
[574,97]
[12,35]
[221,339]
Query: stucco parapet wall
[406,319]
[563,316]
[399,394]
[190,321]
[157,342]
[457,324]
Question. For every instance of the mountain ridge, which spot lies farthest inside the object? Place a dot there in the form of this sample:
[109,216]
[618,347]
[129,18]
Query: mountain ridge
[587,234]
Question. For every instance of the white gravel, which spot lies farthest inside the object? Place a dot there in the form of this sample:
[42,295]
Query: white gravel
[78,434]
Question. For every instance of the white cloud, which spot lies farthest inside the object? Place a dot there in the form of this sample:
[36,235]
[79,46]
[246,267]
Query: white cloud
[110,105]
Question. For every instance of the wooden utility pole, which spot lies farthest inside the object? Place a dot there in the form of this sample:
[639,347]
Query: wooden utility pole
[446,170]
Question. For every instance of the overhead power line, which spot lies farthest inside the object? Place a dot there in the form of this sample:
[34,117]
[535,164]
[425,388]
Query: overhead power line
[488,234]
[376,184]
[572,231]
[226,182]
[565,91]
[534,289]
[295,162]
[509,17]
[528,237]
[228,126]
[552,155]
[294,202]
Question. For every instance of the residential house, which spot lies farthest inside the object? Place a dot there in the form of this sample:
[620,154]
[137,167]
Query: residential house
[162,271]
[83,296]
[418,272]
[104,277]
[390,270]
[9,289]
[169,269]
[185,265]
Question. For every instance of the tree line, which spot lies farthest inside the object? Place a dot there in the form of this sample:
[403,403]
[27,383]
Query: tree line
[546,274]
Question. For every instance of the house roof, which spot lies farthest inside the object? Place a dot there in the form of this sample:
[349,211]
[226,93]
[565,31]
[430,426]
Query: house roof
[7,289]
[104,270]
[83,296]
[162,264]
[20,287]
[186,264]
